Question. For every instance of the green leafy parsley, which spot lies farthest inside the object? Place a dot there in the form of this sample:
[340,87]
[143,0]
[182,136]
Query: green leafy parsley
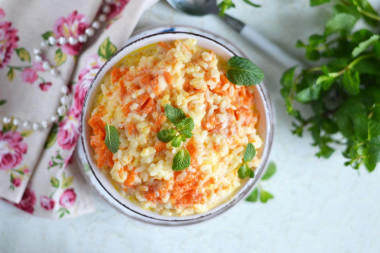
[112,138]
[343,92]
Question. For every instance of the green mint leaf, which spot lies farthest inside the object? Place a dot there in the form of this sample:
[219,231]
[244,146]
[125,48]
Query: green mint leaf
[112,138]
[325,151]
[181,160]
[2,102]
[265,196]
[318,2]
[373,154]
[368,9]
[373,129]
[166,135]
[351,82]
[271,170]
[249,152]
[242,172]
[250,173]
[361,35]
[312,54]
[174,115]
[176,142]
[242,71]
[368,66]
[254,196]
[316,39]
[325,81]
[376,49]
[287,78]
[309,94]
[364,45]
[252,4]
[300,44]
[186,134]
[341,22]
[185,125]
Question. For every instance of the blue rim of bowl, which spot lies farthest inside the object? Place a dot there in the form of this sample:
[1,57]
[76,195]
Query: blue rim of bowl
[222,207]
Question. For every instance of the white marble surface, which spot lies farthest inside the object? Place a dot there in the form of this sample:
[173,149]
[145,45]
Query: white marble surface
[319,205]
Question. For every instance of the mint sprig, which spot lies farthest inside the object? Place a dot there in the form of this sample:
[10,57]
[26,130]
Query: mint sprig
[112,138]
[243,72]
[249,154]
[259,193]
[182,131]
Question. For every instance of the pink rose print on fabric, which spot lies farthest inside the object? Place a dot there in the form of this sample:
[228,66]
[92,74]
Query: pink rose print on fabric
[16,181]
[12,150]
[29,75]
[45,86]
[73,25]
[86,75]
[47,203]
[27,202]
[8,40]
[116,7]
[67,198]
[68,132]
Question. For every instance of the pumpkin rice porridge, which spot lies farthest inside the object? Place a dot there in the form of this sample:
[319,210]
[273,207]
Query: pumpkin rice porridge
[133,98]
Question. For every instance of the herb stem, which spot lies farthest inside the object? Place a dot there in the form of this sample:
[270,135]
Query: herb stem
[370,15]
[351,65]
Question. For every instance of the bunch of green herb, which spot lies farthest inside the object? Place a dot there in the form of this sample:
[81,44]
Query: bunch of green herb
[343,91]
[259,193]
[182,131]
[228,4]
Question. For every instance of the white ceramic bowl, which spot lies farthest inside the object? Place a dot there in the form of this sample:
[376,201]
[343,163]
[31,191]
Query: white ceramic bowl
[103,184]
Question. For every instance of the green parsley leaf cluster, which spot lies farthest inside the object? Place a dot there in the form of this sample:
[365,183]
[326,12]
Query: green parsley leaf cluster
[228,4]
[343,90]
[249,154]
[112,138]
[259,193]
[182,131]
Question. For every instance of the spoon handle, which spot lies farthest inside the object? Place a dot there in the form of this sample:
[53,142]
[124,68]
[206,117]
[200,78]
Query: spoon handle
[269,47]
[264,44]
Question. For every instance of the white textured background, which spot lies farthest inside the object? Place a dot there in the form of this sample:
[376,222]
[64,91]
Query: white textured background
[319,205]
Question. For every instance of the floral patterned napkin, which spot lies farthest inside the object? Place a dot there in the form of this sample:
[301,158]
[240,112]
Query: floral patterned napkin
[37,173]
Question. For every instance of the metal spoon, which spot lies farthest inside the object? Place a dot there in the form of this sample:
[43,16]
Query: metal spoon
[204,7]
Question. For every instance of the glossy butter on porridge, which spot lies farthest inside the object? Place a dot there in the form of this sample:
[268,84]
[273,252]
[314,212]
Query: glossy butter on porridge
[133,97]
